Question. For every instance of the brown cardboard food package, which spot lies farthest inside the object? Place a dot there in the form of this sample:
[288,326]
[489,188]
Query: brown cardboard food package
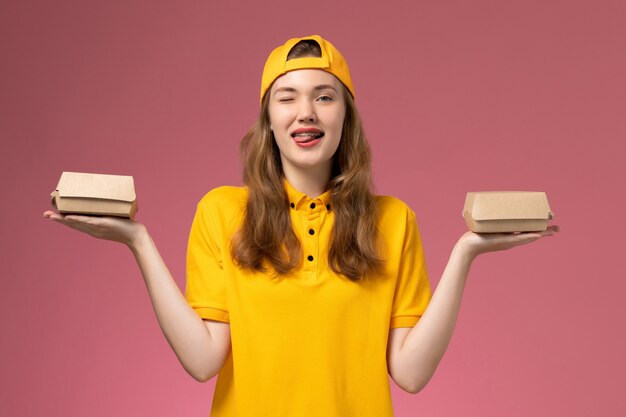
[95,194]
[506,211]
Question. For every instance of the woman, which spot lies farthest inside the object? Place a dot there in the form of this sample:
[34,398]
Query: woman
[304,304]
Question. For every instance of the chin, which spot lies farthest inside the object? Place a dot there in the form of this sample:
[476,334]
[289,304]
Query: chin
[310,163]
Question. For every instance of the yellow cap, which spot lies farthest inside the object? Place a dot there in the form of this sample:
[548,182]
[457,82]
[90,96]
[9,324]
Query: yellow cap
[331,61]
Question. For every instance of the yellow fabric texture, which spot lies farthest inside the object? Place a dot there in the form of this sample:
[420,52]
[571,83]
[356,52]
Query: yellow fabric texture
[312,343]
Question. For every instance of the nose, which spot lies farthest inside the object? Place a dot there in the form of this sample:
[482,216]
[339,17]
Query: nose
[306,111]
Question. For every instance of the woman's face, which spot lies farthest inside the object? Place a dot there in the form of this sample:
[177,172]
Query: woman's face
[306,111]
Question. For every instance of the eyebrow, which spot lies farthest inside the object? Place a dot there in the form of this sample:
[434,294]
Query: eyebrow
[316,88]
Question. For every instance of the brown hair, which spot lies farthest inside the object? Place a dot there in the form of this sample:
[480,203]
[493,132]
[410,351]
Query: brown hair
[266,235]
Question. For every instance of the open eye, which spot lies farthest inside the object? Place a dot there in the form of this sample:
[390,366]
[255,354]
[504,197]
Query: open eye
[325,98]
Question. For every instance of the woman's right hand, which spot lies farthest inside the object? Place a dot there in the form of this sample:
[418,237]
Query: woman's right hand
[102,227]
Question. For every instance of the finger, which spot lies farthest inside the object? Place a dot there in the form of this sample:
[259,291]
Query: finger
[514,236]
[531,237]
[527,237]
[550,231]
[77,226]
[59,218]
[71,221]
[75,218]
[63,221]
[523,238]
[52,215]
[78,218]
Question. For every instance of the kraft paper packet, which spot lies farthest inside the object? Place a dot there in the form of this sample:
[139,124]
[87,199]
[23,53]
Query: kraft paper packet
[95,194]
[506,211]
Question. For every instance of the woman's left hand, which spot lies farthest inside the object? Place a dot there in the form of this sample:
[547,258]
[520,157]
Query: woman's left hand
[479,243]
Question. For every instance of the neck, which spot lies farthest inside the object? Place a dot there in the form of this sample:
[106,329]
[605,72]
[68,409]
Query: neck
[310,181]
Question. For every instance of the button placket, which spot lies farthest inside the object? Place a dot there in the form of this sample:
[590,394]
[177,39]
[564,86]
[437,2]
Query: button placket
[311,235]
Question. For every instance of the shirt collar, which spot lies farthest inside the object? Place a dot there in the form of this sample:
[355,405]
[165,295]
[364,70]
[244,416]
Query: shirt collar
[298,199]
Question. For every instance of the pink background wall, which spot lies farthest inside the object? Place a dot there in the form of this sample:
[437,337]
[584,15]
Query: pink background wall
[456,96]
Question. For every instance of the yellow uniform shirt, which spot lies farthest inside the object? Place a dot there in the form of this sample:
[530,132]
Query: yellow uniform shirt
[312,343]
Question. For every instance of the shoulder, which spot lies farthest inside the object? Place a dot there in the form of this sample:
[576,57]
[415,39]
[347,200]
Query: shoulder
[221,209]
[224,197]
[392,208]
[397,224]
[224,204]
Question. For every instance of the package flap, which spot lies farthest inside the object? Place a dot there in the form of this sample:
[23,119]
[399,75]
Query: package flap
[102,186]
[506,205]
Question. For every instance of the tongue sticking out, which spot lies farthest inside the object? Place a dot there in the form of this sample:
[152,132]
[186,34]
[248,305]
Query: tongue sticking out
[306,137]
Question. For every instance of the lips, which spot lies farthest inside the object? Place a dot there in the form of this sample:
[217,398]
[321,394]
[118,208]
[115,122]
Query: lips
[307,134]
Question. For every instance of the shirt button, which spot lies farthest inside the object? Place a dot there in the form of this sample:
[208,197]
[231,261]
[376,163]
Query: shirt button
[310,258]
[312,205]
[311,231]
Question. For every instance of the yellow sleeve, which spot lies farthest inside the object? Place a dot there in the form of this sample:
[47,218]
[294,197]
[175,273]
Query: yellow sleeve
[412,293]
[206,282]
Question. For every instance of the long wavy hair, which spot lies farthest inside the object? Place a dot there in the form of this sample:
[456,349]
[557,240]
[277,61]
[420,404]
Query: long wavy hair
[266,237]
